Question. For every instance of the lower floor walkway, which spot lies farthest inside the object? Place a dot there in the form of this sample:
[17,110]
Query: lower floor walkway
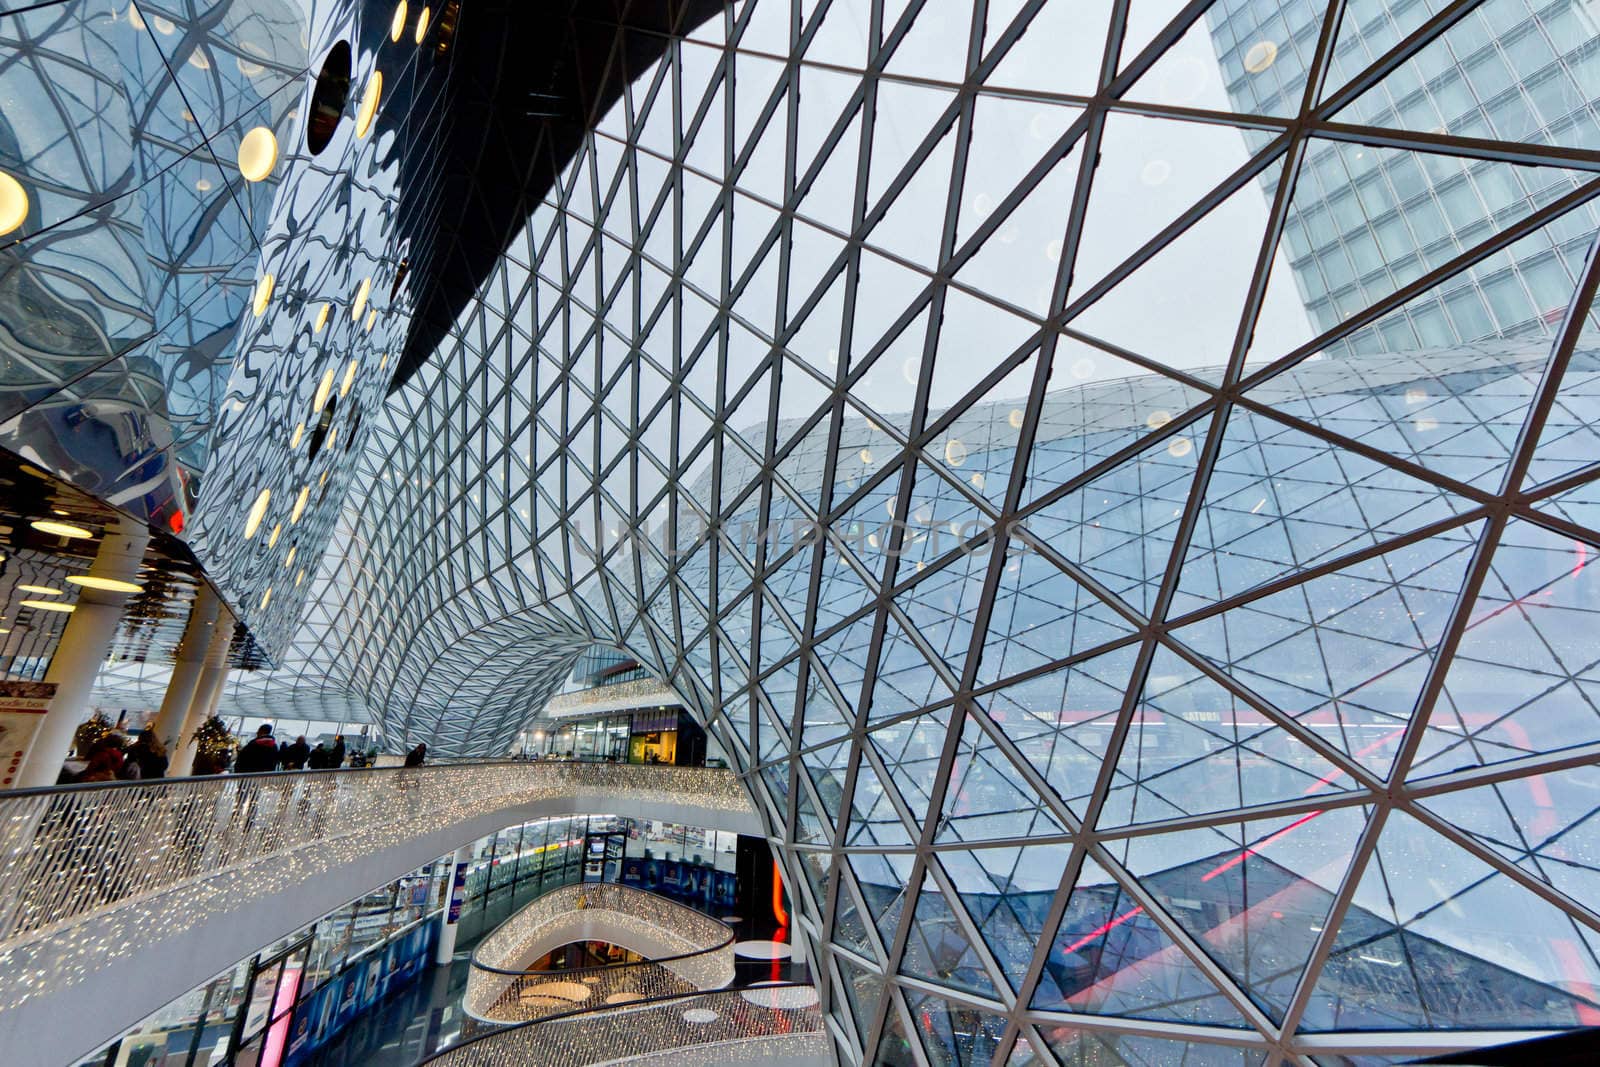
[428,1016]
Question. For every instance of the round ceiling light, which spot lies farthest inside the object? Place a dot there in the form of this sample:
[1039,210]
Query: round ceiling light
[349,378]
[60,529]
[258,154]
[369,104]
[277,530]
[372,317]
[300,504]
[263,294]
[397,25]
[13,203]
[299,432]
[110,585]
[322,317]
[258,511]
[42,590]
[288,561]
[360,304]
[47,605]
[422,23]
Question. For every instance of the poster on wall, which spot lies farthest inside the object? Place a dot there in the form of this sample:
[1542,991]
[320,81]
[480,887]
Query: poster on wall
[22,709]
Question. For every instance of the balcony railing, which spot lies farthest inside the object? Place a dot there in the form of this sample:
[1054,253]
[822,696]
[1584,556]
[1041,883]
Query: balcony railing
[771,1021]
[688,952]
[92,873]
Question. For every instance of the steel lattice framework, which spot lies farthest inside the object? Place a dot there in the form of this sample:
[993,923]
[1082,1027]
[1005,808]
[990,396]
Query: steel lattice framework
[1167,645]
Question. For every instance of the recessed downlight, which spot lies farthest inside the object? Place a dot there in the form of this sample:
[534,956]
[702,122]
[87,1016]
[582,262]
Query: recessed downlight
[258,511]
[48,605]
[41,590]
[109,585]
[422,24]
[397,25]
[322,317]
[323,389]
[369,104]
[300,505]
[266,598]
[263,294]
[294,440]
[360,304]
[258,154]
[349,378]
[60,529]
[277,531]
[13,203]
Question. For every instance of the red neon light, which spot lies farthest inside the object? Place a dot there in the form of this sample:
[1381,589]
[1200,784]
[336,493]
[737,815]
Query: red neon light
[277,1038]
[779,912]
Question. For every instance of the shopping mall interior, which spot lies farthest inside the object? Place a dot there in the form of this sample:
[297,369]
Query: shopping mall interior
[912,532]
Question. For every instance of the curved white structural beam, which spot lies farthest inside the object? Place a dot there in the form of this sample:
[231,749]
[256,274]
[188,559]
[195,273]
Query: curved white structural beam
[125,896]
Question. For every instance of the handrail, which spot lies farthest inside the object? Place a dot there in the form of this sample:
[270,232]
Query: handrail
[501,989]
[94,872]
[585,1037]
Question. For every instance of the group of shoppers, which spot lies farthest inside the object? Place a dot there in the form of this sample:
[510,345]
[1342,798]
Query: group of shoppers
[114,757]
[263,753]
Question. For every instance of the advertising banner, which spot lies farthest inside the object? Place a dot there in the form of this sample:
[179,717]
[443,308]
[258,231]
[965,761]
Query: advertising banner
[22,709]
[458,893]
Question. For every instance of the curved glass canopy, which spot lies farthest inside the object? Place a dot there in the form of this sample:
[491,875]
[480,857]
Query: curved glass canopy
[1117,478]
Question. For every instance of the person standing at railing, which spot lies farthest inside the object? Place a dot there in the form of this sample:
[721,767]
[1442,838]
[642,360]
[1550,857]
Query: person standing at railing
[294,755]
[417,756]
[261,754]
[336,759]
[148,754]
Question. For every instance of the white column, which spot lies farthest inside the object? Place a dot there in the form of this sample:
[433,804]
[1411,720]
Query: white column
[207,692]
[451,917]
[82,651]
[187,668]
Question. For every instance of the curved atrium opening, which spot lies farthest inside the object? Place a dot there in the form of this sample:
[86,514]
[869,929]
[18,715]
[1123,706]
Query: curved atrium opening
[836,531]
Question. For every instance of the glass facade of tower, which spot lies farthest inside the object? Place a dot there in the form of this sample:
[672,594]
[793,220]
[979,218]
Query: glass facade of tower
[1117,480]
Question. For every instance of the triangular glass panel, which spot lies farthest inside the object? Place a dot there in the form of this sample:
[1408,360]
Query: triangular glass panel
[1524,680]
[904,230]
[844,654]
[830,199]
[1120,527]
[1280,501]
[1062,721]
[935,48]
[1041,614]
[1199,321]
[939,948]
[1267,884]
[905,680]
[1019,261]
[1346,653]
[904,114]
[1150,171]
[1008,137]
[1194,747]
[874,822]
[943,604]
[987,798]
[1108,957]
[1453,944]
[955,1035]
[1059,50]
[1096,404]
[910,750]
[1008,892]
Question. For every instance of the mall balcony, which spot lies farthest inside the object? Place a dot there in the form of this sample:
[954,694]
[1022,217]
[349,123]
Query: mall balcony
[125,895]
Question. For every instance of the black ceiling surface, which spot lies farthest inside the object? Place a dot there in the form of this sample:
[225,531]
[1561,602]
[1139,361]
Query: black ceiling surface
[526,81]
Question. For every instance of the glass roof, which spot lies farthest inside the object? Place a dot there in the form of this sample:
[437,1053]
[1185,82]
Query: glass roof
[1117,478]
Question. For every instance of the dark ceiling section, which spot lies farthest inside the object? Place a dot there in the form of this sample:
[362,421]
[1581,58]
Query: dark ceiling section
[527,80]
